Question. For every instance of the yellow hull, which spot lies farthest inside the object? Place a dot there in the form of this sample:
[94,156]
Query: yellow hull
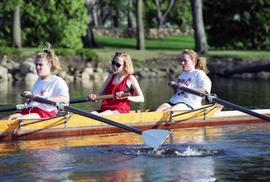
[77,125]
[75,120]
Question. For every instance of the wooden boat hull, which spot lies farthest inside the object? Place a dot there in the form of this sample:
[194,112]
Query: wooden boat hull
[76,125]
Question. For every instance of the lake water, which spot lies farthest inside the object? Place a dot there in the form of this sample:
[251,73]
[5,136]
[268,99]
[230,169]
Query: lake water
[228,153]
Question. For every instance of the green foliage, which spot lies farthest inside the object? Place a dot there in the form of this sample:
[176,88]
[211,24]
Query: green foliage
[113,12]
[179,16]
[10,51]
[65,52]
[6,12]
[89,54]
[237,24]
[61,22]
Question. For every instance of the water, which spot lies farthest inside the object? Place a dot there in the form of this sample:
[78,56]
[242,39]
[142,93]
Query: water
[247,93]
[232,153]
[228,153]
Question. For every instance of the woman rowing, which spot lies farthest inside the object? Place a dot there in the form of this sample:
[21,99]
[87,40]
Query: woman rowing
[48,86]
[194,77]
[120,81]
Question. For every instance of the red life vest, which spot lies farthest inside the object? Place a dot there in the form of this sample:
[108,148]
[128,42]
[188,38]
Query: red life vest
[121,105]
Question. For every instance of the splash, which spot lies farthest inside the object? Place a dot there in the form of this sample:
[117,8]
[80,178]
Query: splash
[174,152]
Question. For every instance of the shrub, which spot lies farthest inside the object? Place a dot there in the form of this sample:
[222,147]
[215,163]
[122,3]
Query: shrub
[89,54]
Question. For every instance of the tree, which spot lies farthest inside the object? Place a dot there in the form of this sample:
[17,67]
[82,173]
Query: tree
[10,34]
[237,24]
[198,26]
[140,26]
[16,28]
[172,13]
[161,17]
[60,22]
[89,40]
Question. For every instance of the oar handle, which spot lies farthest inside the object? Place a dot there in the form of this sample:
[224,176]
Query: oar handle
[12,108]
[225,103]
[100,97]
[110,96]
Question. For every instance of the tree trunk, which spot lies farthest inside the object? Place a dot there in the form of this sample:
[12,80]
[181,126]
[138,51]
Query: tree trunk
[129,19]
[161,18]
[140,27]
[129,14]
[89,39]
[95,15]
[16,28]
[198,26]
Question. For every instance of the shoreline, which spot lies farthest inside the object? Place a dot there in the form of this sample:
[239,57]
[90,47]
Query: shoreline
[165,66]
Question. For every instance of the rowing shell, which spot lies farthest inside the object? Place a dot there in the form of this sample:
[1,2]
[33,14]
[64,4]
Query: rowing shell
[77,125]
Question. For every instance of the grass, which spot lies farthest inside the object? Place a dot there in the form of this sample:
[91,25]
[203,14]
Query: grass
[171,45]
[246,54]
[155,48]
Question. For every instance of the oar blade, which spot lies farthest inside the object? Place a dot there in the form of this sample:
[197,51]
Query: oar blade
[154,138]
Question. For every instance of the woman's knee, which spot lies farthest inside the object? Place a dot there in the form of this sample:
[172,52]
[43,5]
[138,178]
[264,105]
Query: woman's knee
[163,107]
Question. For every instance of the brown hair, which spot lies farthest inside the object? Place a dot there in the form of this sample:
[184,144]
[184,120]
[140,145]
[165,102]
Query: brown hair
[200,62]
[50,56]
[128,66]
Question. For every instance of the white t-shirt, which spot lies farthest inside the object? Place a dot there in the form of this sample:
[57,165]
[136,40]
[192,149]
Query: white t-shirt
[54,86]
[191,79]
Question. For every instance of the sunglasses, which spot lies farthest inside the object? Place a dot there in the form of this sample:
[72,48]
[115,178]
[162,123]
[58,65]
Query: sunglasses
[118,65]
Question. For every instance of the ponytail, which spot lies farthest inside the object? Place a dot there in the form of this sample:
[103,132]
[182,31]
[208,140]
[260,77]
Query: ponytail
[201,64]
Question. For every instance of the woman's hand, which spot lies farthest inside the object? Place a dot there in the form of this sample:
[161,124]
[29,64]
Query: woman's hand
[171,83]
[119,95]
[28,95]
[92,97]
[179,85]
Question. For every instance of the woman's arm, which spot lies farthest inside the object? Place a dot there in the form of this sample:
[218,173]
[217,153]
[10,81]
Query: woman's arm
[104,85]
[59,99]
[93,97]
[138,97]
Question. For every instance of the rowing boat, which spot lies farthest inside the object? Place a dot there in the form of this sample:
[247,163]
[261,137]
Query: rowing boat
[78,125]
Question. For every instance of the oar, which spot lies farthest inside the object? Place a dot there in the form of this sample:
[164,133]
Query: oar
[12,108]
[72,101]
[153,137]
[100,97]
[225,103]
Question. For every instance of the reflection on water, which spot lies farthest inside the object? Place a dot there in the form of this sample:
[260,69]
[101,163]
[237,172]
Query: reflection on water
[242,152]
[248,93]
[229,153]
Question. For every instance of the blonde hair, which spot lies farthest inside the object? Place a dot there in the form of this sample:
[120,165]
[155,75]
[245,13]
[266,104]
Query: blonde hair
[51,57]
[128,66]
[200,62]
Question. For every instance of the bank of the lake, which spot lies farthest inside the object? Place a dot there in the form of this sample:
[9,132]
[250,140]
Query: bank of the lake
[163,65]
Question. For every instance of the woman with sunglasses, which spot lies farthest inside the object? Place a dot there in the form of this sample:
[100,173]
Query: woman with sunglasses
[48,86]
[120,81]
[194,77]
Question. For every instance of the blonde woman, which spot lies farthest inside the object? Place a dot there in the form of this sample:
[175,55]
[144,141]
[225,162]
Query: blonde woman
[120,81]
[194,77]
[48,85]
